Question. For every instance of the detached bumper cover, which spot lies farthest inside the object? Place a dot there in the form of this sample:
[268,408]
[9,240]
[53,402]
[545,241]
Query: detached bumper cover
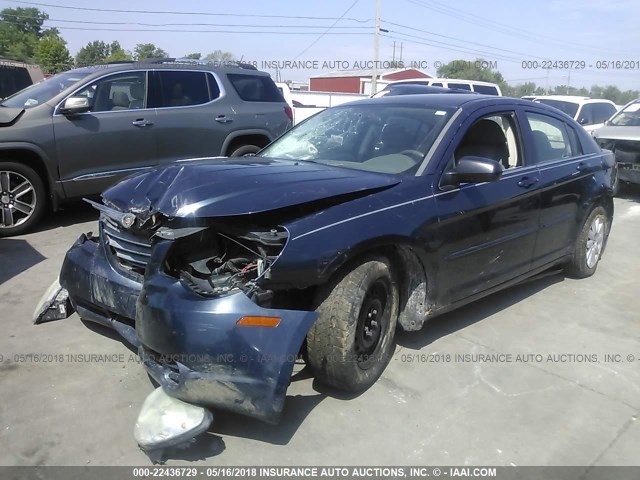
[190,344]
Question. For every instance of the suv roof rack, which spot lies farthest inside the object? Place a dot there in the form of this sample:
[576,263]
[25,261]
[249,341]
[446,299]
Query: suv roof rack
[188,61]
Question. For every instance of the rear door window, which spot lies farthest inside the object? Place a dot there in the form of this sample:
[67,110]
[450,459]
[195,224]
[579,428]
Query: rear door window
[255,88]
[551,138]
[176,88]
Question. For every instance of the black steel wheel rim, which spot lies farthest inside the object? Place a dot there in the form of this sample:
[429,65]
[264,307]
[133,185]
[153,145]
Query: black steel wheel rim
[372,322]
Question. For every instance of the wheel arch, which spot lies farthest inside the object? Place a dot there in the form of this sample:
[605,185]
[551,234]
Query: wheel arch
[260,138]
[33,157]
[412,273]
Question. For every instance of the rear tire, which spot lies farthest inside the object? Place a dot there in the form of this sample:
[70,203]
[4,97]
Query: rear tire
[589,245]
[350,344]
[22,198]
[244,150]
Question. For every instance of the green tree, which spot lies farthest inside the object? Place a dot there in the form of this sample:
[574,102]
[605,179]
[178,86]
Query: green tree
[92,53]
[15,43]
[20,30]
[52,54]
[27,20]
[220,56]
[98,52]
[471,70]
[148,50]
[626,97]
[194,56]
[117,53]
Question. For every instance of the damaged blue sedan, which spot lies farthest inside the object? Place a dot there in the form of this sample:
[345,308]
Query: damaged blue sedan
[367,217]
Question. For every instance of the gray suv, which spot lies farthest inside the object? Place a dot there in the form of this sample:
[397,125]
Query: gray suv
[77,133]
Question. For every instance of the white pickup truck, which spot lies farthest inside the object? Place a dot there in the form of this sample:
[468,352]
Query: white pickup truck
[306,104]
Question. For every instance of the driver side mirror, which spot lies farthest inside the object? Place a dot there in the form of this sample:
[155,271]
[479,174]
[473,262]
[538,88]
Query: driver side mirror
[471,169]
[74,105]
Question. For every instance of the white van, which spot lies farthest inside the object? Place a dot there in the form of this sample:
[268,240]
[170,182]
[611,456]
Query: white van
[484,88]
[591,113]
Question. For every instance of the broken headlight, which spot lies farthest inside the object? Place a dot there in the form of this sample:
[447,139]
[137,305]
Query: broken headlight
[213,262]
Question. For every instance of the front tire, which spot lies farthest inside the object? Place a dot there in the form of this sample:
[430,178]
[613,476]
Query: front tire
[589,245]
[22,198]
[350,344]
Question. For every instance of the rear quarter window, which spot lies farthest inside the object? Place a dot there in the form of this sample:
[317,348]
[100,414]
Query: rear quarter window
[485,89]
[462,86]
[255,88]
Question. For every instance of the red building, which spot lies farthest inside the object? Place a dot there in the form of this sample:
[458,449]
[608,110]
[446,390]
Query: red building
[359,81]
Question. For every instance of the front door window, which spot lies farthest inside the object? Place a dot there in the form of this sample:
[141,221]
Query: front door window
[124,91]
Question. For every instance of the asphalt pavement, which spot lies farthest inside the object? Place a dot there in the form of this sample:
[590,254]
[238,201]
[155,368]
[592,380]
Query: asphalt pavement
[544,373]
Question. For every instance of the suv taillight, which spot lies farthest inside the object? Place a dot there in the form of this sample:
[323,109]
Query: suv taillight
[289,112]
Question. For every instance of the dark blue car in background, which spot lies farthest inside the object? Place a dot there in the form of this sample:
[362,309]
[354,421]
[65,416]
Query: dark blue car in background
[369,215]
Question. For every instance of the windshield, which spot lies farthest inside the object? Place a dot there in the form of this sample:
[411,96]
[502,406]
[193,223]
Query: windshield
[378,138]
[569,108]
[44,91]
[629,116]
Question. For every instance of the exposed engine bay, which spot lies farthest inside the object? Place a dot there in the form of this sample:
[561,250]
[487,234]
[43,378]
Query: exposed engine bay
[212,262]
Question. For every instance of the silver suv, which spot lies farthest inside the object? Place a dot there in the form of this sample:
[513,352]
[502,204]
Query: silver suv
[77,133]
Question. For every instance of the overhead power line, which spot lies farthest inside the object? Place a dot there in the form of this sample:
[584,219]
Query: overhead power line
[156,12]
[449,47]
[458,40]
[176,30]
[327,31]
[514,31]
[189,24]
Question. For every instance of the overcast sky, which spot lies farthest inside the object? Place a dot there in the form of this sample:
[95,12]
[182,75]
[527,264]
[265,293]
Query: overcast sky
[507,32]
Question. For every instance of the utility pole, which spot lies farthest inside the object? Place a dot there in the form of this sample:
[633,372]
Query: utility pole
[546,90]
[376,51]
[394,51]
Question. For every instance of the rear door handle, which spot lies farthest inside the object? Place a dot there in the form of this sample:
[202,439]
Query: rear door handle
[224,119]
[141,122]
[527,182]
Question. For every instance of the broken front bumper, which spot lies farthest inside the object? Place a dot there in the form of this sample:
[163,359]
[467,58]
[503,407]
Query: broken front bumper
[629,172]
[191,345]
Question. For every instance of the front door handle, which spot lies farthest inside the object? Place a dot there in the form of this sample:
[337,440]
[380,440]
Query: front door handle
[224,119]
[528,182]
[141,122]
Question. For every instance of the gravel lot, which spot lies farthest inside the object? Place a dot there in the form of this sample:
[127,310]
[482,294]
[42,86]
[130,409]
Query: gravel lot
[433,405]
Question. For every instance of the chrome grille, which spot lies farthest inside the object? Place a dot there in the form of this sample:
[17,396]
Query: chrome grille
[131,251]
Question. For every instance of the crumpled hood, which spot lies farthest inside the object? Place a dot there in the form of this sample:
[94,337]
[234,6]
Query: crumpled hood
[9,116]
[237,186]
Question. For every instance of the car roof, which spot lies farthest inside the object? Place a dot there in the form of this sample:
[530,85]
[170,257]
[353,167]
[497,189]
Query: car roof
[98,70]
[420,89]
[572,99]
[451,100]
[448,80]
